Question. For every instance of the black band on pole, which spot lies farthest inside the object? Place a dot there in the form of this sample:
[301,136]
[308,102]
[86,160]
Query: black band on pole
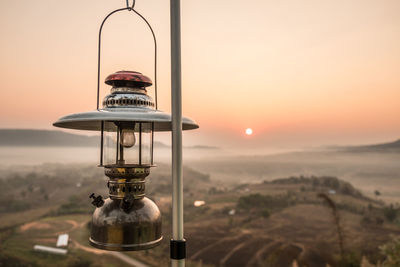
[178,249]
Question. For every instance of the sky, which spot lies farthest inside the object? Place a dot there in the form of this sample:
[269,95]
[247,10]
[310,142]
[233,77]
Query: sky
[299,73]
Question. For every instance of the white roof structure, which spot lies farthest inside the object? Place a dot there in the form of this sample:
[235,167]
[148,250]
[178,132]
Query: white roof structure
[199,203]
[62,240]
[59,251]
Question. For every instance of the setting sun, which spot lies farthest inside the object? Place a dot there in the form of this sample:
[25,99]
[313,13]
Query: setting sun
[249,131]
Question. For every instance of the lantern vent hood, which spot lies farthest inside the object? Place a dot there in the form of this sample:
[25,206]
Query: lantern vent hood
[128,101]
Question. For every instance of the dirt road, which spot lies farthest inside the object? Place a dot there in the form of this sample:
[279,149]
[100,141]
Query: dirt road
[119,255]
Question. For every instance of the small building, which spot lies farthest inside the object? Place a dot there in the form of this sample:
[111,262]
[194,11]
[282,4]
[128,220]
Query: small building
[199,203]
[62,240]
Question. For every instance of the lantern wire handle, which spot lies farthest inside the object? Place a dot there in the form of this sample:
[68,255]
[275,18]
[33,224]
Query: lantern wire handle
[133,4]
[129,8]
[155,52]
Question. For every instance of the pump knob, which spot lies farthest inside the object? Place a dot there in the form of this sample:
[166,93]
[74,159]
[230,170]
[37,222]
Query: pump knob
[127,202]
[97,201]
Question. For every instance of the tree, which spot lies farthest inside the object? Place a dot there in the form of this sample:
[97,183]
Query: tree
[391,251]
[390,213]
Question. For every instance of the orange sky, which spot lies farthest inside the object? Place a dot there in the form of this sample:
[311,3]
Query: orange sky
[299,73]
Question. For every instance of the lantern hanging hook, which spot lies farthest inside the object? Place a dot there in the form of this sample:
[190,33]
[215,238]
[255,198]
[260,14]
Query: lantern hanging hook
[129,8]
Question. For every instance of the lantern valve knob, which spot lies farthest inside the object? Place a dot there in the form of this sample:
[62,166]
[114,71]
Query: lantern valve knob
[97,201]
[127,203]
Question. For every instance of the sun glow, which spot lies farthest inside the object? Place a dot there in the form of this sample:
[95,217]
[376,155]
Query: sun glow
[249,131]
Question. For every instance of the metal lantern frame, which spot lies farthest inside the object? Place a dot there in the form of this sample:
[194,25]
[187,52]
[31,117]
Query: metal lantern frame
[104,119]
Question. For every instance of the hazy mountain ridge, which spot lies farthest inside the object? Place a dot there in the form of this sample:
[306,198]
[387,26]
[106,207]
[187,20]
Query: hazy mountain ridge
[48,138]
[28,137]
[202,147]
[384,147]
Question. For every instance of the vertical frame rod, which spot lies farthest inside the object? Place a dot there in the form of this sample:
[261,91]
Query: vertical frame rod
[176,103]
[101,143]
[117,147]
[121,147]
[152,143]
[140,143]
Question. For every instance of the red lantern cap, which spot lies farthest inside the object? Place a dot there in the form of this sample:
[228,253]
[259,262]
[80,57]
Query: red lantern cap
[126,78]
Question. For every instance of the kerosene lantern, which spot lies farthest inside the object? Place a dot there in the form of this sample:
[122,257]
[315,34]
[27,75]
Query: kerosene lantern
[126,220]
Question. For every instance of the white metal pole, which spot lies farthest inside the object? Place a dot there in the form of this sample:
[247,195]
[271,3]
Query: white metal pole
[176,102]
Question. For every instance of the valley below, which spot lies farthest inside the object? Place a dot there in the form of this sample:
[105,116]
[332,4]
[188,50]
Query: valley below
[315,208]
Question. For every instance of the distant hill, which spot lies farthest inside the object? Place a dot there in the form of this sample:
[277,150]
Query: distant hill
[30,137]
[22,137]
[202,147]
[385,147]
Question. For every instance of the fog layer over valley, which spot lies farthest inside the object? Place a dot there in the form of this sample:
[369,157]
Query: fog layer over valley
[336,206]
[368,171]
